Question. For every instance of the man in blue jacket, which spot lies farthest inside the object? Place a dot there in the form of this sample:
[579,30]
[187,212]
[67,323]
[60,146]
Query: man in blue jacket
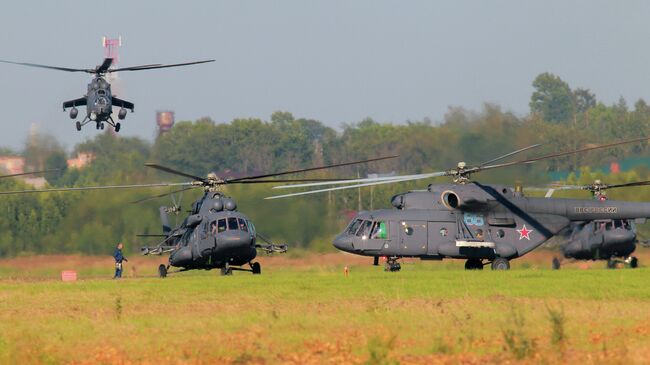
[119,257]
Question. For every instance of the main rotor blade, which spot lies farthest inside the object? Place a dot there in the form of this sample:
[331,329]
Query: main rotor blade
[637,183]
[351,181]
[151,67]
[49,67]
[161,195]
[559,154]
[310,169]
[323,181]
[510,154]
[29,173]
[104,66]
[397,180]
[175,172]
[84,188]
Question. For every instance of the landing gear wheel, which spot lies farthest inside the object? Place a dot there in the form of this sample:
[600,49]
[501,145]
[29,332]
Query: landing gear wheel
[117,127]
[97,126]
[162,271]
[500,264]
[78,124]
[257,268]
[611,264]
[392,265]
[473,264]
[226,271]
[556,263]
[634,262]
[102,126]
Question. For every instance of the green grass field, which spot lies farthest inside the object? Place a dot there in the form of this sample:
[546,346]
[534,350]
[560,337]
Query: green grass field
[428,313]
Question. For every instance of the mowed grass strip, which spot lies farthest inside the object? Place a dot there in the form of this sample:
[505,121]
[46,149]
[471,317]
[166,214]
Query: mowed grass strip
[424,314]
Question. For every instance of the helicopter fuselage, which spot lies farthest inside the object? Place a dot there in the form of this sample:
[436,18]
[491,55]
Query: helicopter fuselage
[601,240]
[471,221]
[214,236]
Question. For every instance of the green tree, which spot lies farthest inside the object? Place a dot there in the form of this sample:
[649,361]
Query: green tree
[552,98]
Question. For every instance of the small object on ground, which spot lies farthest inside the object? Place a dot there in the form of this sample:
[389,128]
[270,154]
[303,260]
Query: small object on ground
[68,275]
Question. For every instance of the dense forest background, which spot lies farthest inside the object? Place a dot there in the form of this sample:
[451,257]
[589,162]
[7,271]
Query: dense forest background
[561,118]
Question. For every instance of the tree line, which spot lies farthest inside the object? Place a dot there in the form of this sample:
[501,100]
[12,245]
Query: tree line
[560,118]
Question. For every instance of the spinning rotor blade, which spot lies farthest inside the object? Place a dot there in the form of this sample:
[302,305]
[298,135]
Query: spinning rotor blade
[106,187]
[29,173]
[322,181]
[637,183]
[310,169]
[175,172]
[559,154]
[104,66]
[350,181]
[395,180]
[162,195]
[154,66]
[510,154]
[50,67]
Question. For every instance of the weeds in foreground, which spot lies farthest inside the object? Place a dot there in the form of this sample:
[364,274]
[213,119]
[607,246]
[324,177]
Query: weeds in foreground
[517,342]
[557,318]
[118,307]
[379,349]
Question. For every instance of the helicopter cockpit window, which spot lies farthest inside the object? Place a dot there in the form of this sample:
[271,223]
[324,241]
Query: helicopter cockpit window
[213,227]
[221,225]
[242,225]
[618,224]
[364,231]
[379,231]
[101,92]
[354,226]
[232,224]
[608,226]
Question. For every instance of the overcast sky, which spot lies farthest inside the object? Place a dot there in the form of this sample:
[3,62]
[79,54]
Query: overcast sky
[335,61]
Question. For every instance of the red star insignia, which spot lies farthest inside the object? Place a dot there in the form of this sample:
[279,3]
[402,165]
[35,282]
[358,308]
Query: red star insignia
[524,233]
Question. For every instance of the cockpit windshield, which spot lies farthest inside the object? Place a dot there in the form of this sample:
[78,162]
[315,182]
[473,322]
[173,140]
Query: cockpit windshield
[354,226]
[232,224]
[364,231]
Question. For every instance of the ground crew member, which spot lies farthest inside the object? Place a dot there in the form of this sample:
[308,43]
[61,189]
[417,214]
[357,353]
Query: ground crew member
[119,257]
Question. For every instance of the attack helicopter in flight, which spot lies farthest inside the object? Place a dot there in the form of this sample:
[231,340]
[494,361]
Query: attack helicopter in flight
[215,235]
[613,240]
[483,224]
[99,100]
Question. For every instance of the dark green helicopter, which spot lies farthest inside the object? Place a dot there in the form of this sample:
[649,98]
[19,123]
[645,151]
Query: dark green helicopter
[482,224]
[99,100]
[214,235]
[608,239]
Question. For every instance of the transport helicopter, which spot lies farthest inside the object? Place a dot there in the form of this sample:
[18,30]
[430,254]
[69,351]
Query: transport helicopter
[99,100]
[483,224]
[613,240]
[214,235]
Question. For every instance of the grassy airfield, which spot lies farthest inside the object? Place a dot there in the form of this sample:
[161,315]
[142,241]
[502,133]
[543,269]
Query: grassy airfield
[304,310]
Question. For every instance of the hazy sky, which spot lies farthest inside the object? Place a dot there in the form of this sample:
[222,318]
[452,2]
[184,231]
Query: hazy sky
[335,61]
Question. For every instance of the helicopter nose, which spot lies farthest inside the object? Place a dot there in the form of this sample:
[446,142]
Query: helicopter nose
[343,242]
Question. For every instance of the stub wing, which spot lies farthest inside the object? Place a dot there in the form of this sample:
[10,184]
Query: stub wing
[74,103]
[122,103]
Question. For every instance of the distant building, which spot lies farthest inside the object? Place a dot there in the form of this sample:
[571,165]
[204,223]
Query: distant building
[12,164]
[165,121]
[82,160]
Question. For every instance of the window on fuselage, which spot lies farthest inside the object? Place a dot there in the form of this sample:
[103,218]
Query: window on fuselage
[379,231]
[232,224]
[364,230]
[242,225]
[354,226]
[221,225]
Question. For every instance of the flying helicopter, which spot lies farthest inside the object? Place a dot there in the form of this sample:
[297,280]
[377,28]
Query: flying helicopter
[483,224]
[99,100]
[214,235]
[613,240]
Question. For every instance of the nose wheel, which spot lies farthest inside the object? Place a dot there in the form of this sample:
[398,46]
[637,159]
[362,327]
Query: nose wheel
[392,265]
[78,125]
[162,271]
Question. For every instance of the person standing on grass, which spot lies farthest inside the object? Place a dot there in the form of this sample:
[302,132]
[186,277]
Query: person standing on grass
[119,257]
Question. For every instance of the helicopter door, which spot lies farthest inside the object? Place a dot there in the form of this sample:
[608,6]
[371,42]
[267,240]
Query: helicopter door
[379,236]
[413,238]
